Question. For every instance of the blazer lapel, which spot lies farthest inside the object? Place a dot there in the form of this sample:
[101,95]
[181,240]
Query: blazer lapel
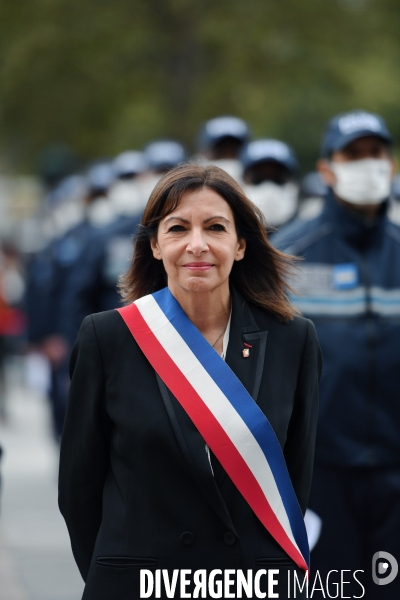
[244,330]
[193,449]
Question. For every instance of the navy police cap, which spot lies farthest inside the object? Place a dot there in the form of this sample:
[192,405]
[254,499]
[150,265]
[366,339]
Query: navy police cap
[99,177]
[130,162]
[162,154]
[347,127]
[269,150]
[219,128]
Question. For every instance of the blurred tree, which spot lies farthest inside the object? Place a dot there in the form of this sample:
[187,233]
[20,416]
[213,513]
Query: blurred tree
[105,75]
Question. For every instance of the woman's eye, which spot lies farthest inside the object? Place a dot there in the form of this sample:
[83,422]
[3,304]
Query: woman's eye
[217,227]
[176,228]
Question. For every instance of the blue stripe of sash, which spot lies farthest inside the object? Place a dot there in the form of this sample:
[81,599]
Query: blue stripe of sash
[243,403]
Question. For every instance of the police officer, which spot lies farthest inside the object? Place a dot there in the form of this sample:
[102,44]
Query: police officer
[41,294]
[51,268]
[126,194]
[160,156]
[349,286]
[270,172]
[221,140]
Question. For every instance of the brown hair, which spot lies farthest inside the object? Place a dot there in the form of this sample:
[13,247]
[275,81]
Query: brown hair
[259,276]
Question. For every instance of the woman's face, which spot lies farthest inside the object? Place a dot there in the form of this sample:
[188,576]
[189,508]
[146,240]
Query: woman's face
[198,243]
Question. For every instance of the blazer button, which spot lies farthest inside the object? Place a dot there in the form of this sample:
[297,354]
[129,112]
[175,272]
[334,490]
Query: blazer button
[229,538]
[187,538]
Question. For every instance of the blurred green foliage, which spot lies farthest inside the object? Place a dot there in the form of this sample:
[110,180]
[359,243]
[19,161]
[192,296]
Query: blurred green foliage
[106,75]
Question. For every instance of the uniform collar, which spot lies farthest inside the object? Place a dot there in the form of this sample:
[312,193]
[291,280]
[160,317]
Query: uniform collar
[356,230]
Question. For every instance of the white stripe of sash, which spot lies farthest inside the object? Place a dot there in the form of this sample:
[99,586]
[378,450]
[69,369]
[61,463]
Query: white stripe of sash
[218,404]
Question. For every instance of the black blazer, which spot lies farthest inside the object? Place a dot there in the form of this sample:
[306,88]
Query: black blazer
[136,487]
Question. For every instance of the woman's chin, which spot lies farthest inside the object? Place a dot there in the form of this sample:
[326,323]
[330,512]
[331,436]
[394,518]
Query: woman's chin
[199,285]
[195,284]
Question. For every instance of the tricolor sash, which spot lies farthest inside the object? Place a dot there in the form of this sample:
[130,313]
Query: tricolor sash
[229,420]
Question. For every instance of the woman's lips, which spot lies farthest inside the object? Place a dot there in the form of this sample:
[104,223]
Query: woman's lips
[200,266]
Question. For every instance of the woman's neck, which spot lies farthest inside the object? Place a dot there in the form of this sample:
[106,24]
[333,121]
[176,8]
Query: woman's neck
[208,311]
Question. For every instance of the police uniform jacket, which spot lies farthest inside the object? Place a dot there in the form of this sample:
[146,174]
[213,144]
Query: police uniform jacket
[136,486]
[349,285]
[91,285]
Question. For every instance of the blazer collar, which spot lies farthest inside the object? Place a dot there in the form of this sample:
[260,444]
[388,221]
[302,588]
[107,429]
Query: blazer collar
[246,334]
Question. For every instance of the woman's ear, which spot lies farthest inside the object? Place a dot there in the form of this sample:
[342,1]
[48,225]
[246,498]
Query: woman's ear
[240,249]
[155,248]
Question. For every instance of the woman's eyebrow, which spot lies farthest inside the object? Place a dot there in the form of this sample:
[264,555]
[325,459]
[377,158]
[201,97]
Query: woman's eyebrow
[177,218]
[205,220]
[216,217]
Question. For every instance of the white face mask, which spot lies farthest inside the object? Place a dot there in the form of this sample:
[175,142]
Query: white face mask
[363,182]
[231,165]
[278,203]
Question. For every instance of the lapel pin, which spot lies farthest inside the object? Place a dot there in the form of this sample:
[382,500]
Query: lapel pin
[246,351]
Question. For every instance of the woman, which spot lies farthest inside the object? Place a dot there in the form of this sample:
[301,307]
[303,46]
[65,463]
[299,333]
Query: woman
[139,486]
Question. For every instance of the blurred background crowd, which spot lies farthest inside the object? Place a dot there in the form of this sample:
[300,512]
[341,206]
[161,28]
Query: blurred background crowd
[99,99]
[64,260]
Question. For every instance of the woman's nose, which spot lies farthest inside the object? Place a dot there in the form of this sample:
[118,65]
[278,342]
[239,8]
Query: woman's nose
[197,242]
